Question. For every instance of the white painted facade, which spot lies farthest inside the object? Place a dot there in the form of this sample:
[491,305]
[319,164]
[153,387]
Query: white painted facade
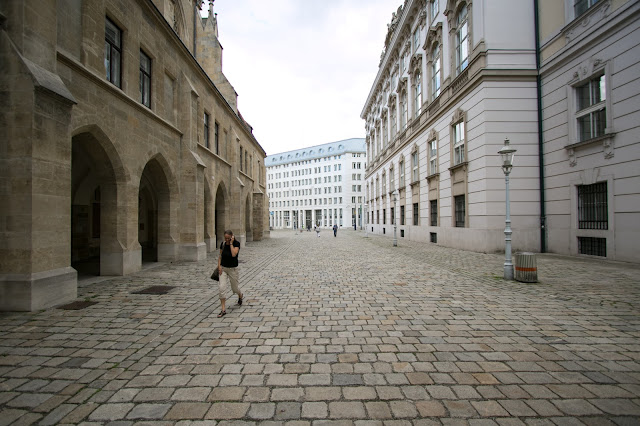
[602,41]
[320,185]
[492,94]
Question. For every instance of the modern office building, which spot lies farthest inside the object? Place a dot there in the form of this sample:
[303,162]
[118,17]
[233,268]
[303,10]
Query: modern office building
[557,79]
[122,144]
[321,186]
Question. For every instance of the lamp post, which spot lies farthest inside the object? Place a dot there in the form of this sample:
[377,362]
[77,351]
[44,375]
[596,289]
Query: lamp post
[395,222]
[366,222]
[507,153]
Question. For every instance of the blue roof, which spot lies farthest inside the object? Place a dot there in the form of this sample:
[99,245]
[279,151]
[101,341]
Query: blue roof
[317,151]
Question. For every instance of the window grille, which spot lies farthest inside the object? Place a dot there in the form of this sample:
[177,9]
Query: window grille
[593,206]
[434,212]
[416,212]
[460,211]
[592,246]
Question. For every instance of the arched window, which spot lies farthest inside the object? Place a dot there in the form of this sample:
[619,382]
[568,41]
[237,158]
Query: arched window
[462,40]
[417,94]
[435,72]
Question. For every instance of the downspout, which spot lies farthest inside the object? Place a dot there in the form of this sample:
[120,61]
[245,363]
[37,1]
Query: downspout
[543,218]
[196,11]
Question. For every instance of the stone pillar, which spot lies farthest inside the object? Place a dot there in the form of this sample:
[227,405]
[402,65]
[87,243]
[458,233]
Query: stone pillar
[35,164]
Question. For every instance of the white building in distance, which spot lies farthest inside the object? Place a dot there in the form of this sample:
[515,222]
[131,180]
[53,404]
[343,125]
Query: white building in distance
[321,186]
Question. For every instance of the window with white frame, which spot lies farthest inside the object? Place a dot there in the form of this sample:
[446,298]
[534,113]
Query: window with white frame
[392,179]
[414,166]
[401,169]
[581,6]
[458,143]
[591,108]
[384,183]
[417,94]
[433,9]
[433,157]
[416,38]
[404,110]
[394,120]
[385,135]
[462,40]
[435,72]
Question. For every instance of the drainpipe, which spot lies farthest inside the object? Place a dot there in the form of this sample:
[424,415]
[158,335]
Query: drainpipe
[543,218]
[196,12]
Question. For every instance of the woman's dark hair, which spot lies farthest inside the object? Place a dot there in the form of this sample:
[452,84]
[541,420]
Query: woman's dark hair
[228,232]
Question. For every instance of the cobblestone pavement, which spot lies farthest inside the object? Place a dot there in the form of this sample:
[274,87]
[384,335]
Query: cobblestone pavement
[335,331]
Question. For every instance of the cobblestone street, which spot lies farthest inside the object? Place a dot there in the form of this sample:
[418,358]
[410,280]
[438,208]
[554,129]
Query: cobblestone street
[335,331]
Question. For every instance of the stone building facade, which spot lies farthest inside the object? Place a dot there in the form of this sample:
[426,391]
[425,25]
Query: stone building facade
[321,186]
[458,77]
[123,144]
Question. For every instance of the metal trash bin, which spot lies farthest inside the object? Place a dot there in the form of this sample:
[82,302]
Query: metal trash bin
[526,268]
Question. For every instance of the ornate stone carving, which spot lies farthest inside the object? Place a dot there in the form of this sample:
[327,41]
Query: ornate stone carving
[572,158]
[598,12]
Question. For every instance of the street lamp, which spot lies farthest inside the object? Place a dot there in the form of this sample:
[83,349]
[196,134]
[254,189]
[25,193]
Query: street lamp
[366,222]
[507,153]
[395,222]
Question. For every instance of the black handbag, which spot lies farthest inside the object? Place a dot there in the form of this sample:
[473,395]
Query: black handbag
[216,275]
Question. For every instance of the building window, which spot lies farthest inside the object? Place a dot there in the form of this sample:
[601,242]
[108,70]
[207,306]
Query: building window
[433,212]
[433,157]
[216,138]
[593,206]
[414,166]
[145,80]
[378,217]
[384,183]
[416,38]
[416,217]
[401,215]
[592,246]
[392,179]
[591,108]
[240,158]
[393,215]
[206,130]
[417,94]
[401,168]
[458,143]
[581,6]
[384,216]
[459,211]
[462,40]
[394,120]
[404,110]
[113,52]
[435,72]
[385,135]
[433,9]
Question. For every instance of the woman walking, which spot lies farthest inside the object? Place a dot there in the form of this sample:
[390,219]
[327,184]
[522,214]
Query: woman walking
[228,269]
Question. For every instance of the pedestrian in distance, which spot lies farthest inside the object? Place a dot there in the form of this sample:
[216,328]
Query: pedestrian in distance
[335,230]
[228,269]
[317,228]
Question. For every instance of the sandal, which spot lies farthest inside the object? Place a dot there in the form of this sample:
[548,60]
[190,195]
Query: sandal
[240,300]
[222,313]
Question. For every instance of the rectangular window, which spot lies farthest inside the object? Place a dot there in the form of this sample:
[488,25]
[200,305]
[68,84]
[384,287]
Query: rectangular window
[206,130]
[433,157]
[417,94]
[113,52]
[416,214]
[384,184]
[216,139]
[460,211]
[414,167]
[145,80]
[401,215]
[240,158]
[416,38]
[394,121]
[581,6]
[462,41]
[435,72]
[392,180]
[378,217]
[433,9]
[433,212]
[401,174]
[592,246]
[591,108]
[384,216]
[593,206]
[393,215]
[458,143]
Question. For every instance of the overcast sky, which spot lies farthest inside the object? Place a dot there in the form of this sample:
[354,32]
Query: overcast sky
[302,68]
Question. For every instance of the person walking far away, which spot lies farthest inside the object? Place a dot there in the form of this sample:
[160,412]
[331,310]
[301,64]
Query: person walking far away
[335,230]
[317,229]
[228,269]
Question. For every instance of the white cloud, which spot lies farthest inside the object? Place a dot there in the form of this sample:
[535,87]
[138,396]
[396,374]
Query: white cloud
[302,68]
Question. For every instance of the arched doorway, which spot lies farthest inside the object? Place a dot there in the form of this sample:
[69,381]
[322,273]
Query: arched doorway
[221,215]
[154,216]
[93,204]
[247,219]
